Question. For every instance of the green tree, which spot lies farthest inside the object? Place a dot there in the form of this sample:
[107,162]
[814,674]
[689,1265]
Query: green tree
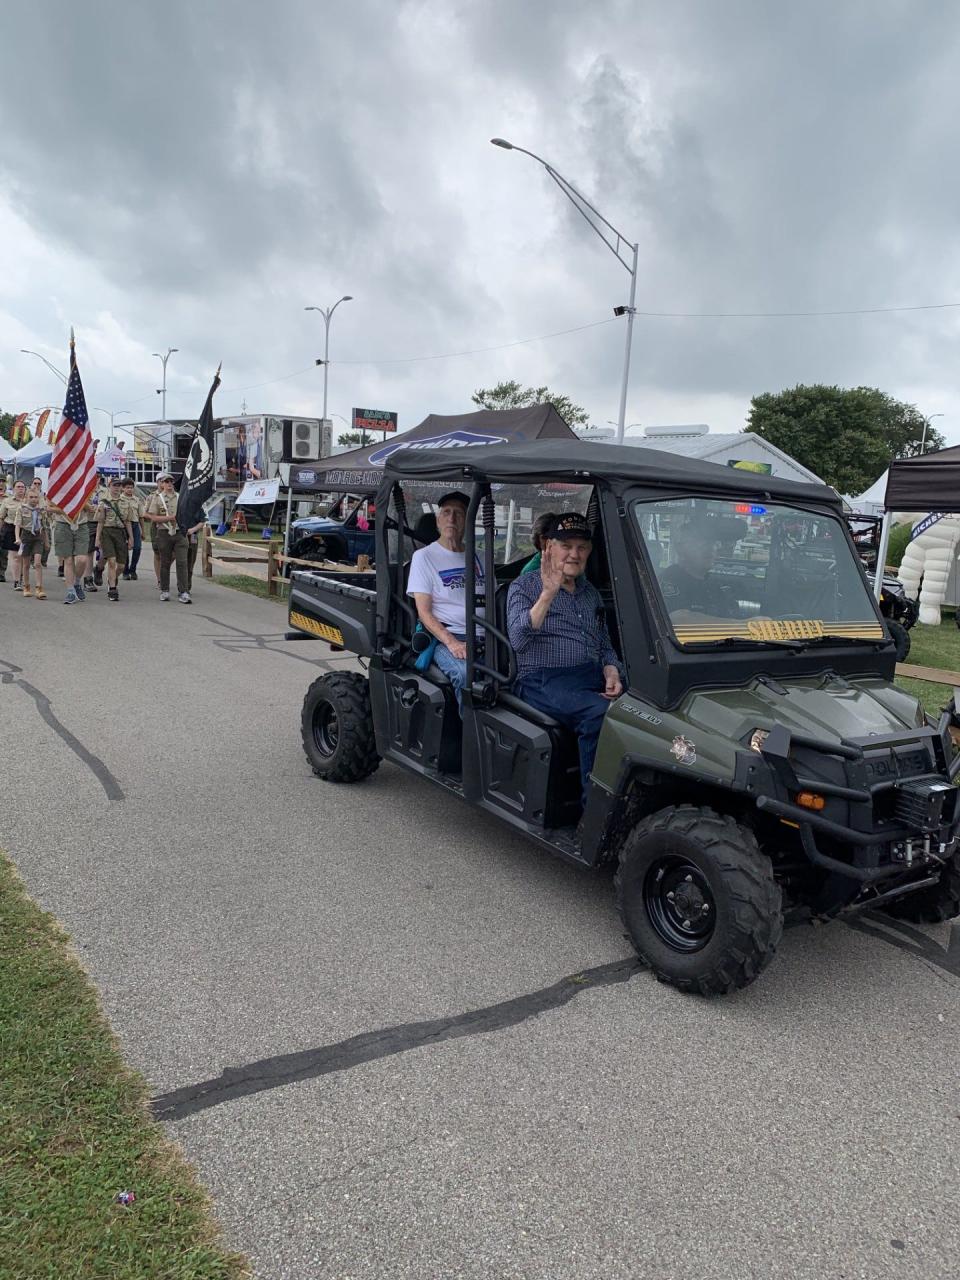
[510,395]
[847,436]
[6,422]
[351,438]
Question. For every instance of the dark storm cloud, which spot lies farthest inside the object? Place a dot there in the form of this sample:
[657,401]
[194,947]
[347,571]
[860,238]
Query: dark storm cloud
[223,164]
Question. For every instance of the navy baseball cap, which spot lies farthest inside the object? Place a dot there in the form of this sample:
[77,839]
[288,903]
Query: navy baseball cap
[455,496]
[570,525]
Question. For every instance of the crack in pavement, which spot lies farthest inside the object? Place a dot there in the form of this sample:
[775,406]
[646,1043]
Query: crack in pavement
[252,640]
[308,1064]
[370,1046]
[14,676]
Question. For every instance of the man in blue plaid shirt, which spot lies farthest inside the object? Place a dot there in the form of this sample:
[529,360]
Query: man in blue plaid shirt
[566,665]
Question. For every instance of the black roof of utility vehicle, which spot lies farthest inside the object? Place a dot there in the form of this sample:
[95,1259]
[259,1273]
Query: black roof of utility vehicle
[620,466]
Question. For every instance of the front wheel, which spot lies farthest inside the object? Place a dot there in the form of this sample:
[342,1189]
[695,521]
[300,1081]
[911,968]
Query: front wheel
[935,904]
[336,725]
[699,900]
[900,637]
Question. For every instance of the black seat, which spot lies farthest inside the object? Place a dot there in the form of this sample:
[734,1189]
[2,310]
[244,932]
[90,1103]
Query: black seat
[425,531]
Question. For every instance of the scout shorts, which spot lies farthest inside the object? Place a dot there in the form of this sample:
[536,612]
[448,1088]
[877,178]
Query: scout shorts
[68,542]
[113,544]
[91,537]
[31,544]
[8,538]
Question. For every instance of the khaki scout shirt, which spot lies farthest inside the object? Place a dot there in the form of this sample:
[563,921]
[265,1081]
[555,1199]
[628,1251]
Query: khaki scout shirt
[116,512]
[163,504]
[87,513]
[9,508]
[25,518]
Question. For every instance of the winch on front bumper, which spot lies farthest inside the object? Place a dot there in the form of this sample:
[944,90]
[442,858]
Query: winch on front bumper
[881,811]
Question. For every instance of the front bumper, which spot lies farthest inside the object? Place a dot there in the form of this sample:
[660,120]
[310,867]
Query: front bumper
[890,807]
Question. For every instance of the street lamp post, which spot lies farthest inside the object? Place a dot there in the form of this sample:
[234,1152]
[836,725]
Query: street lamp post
[163,390]
[327,312]
[111,414]
[52,367]
[926,424]
[615,245]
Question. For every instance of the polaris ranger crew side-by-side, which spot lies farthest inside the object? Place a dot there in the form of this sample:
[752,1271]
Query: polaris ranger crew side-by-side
[760,759]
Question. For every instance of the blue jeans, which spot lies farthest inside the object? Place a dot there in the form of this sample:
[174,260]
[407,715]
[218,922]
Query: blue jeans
[572,696]
[455,669]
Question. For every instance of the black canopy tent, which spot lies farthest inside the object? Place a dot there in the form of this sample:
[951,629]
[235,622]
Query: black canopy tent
[361,470]
[622,465]
[928,482]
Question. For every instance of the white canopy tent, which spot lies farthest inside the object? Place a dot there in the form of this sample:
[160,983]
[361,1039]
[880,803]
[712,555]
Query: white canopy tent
[38,453]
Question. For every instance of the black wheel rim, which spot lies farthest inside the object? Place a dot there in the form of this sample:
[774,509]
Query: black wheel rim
[680,904]
[326,729]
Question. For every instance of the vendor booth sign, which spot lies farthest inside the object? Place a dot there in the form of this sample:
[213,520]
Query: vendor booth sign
[259,493]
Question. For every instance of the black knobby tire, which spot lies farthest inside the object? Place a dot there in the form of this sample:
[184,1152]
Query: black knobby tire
[935,904]
[900,637]
[721,926]
[336,726]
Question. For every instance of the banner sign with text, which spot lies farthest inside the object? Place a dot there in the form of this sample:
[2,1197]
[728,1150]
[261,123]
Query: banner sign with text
[926,523]
[259,493]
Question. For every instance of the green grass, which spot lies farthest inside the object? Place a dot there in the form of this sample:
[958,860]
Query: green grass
[933,647]
[252,586]
[936,646]
[75,1130]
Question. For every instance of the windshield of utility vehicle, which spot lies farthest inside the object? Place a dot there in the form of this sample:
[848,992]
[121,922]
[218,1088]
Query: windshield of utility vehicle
[754,571]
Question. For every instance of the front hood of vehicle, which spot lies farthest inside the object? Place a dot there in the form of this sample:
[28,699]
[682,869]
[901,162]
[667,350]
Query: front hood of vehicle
[316,524]
[828,708]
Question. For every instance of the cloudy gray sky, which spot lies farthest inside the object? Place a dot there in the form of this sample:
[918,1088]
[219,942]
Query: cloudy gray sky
[192,174]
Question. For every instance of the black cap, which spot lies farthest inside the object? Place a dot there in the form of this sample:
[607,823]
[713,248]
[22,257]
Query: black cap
[455,495]
[569,525]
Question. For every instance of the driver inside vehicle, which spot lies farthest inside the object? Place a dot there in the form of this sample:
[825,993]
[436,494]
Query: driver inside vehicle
[687,584]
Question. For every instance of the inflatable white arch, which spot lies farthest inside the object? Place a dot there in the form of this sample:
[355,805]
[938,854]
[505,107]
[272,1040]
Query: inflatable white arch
[929,556]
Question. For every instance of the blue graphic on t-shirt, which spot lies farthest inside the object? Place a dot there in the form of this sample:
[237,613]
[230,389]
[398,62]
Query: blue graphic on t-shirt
[456,579]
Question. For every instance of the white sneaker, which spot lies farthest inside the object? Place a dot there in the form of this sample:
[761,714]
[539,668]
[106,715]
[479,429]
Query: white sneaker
[185,597]
[164,595]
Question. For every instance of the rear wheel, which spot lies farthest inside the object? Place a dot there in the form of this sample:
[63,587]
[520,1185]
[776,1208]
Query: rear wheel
[935,904]
[336,725]
[699,900]
[900,637]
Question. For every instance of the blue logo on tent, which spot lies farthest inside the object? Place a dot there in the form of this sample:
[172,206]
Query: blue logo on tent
[450,440]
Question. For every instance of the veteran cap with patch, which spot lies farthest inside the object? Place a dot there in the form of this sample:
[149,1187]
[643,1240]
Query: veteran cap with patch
[569,525]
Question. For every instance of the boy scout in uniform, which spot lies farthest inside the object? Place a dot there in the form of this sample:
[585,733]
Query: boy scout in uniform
[137,505]
[70,540]
[114,533]
[9,510]
[3,550]
[168,540]
[33,533]
[36,486]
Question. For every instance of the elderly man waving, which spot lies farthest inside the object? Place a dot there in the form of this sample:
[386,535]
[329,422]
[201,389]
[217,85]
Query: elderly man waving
[566,664]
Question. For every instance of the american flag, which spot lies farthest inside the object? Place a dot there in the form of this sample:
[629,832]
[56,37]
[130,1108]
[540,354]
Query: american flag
[73,472]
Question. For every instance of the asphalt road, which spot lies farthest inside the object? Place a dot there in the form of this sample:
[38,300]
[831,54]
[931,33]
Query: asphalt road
[355,1009]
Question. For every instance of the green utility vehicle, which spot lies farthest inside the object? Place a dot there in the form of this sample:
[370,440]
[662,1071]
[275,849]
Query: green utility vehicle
[760,760]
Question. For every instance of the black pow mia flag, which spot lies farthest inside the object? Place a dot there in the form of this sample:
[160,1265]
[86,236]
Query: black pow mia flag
[198,472]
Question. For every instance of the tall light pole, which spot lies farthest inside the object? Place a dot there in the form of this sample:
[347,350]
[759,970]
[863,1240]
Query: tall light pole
[111,414]
[163,390]
[926,423]
[327,312]
[581,204]
[52,367]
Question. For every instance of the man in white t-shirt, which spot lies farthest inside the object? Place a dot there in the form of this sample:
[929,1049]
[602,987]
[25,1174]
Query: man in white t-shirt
[438,584]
